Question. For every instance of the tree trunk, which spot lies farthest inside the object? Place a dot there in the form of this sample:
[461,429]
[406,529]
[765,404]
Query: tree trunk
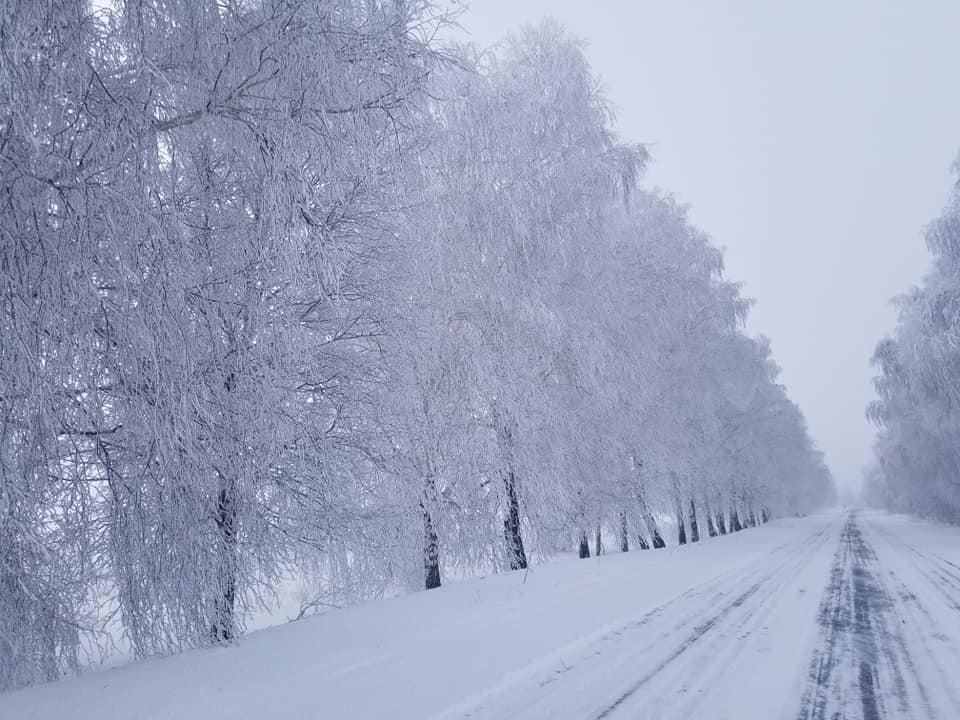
[224,626]
[647,516]
[511,526]
[681,525]
[751,516]
[694,528]
[642,542]
[658,541]
[624,536]
[584,545]
[711,524]
[598,546]
[652,529]
[721,523]
[431,552]
[735,525]
[655,538]
[764,515]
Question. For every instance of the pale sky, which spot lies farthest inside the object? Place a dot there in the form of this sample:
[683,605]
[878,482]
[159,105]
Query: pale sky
[813,140]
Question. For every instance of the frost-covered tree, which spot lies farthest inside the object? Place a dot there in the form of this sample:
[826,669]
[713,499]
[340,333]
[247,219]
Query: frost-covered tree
[285,289]
[199,187]
[266,181]
[523,167]
[917,391]
[57,132]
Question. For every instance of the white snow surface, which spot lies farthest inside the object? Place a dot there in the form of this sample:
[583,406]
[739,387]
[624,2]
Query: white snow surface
[846,614]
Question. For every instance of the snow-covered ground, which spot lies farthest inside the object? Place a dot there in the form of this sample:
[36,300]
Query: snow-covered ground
[837,615]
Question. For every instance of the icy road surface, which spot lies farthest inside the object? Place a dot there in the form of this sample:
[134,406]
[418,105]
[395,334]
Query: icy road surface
[842,615]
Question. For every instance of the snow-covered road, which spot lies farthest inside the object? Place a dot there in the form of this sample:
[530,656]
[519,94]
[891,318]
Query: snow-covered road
[886,643]
[733,646]
[889,627]
[842,615]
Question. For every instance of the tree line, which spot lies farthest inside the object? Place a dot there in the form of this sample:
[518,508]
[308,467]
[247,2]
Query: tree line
[917,410]
[291,286]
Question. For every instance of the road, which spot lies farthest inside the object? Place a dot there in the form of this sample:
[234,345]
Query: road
[847,621]
[889,622]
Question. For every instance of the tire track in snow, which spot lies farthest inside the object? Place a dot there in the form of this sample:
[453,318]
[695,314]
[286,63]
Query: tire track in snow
[942,574]
[913,574]
[705,622]
[915,614]
[698,632]
[755,604]
[863,655]
[830,618]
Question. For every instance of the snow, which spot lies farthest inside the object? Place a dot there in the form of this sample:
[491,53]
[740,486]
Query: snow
[733,627]
[906,594]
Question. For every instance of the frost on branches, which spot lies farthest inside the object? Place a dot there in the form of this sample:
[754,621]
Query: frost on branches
[918,395]
[289,289]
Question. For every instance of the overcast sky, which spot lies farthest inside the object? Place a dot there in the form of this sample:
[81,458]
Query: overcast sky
[813,140]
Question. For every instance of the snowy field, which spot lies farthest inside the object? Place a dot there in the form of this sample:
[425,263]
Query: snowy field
[837,615]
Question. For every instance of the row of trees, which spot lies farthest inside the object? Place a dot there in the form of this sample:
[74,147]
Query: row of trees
[287,287]
[917,409]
